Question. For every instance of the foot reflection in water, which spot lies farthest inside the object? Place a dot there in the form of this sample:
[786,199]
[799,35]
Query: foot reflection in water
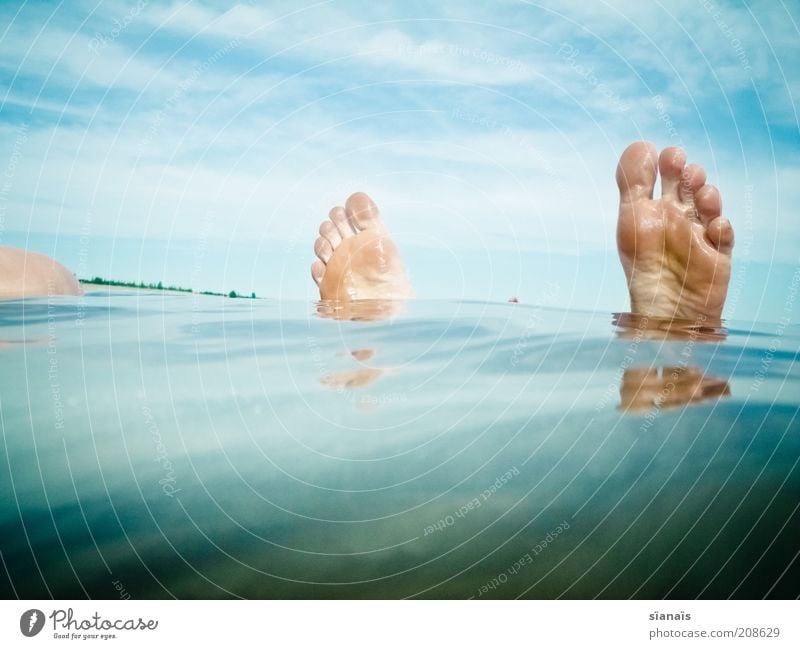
[357,311]
[636,326]
[356,378]
[644,389]
[360,310]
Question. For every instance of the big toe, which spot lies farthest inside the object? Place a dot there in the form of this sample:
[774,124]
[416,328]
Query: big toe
[362,212]
[636,172]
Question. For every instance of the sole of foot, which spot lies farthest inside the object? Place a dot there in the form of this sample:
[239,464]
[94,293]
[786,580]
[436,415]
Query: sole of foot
[675,250]
[357,258]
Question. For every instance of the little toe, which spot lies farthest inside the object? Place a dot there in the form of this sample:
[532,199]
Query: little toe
[362,211]
[671,164]
[694,177]
[317,271]
[636,172]
[323,249]
[339,218]
[720,233]
[329,231]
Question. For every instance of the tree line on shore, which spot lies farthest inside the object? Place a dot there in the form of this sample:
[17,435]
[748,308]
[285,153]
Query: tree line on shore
[159,286]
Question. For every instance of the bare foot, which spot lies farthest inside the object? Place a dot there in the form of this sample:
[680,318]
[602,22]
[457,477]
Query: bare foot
[676,251]
[29,274]
[357,258]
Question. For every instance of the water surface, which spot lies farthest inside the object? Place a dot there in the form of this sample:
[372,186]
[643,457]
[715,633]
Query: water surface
[192,447]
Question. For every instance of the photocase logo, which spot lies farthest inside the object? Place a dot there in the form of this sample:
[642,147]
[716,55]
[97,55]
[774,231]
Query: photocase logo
[31,622]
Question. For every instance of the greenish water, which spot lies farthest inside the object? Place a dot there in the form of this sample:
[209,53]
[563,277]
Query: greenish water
[188,446]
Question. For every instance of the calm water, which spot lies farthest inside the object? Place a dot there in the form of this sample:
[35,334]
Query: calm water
[184,446]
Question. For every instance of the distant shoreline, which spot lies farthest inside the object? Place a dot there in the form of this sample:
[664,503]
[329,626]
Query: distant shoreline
[101,282]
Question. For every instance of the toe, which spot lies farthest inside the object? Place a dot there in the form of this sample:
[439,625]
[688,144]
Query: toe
[671,164]
[694,177]
[636,172]
[362,211]
[339,218]
[323,249]
[708,204]
[719,230]
[720,233]
[329,231]
[317,271]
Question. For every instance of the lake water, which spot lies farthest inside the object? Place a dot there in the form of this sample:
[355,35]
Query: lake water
[164,445]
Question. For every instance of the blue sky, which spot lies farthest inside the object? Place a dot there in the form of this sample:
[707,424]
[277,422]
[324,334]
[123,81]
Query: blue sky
[202,143]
